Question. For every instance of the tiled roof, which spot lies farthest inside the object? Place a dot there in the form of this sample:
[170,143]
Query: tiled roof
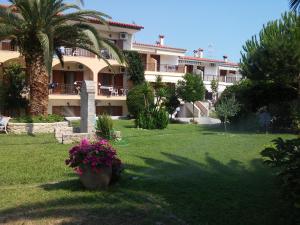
[159,46]
[112,23]
[208,60]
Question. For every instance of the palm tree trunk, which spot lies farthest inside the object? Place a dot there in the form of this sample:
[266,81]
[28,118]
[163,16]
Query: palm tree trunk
[38,83]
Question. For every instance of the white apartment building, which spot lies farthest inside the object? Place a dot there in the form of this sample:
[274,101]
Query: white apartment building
[112,86]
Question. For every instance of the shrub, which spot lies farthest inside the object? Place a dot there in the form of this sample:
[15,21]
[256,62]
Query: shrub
[52,118]
[139,98]
[104,126]
[13,90]
[285,156]
[229,107]
[95,156]
[152,118]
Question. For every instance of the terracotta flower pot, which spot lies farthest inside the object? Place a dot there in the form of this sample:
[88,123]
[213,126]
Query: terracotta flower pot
[96,181]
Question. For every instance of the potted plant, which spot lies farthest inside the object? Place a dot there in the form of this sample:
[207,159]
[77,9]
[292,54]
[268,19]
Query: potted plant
[96,163]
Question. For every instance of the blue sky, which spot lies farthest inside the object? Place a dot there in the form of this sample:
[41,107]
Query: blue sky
[219,27]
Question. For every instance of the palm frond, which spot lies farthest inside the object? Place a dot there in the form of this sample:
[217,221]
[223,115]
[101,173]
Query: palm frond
[294,5]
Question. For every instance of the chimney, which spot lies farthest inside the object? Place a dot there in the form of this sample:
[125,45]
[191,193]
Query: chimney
[196,53]
[161,39]
[225,57]
[200,52]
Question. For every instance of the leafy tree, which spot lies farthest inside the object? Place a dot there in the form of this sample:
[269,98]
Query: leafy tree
[135,69]
[12,90]
[39,29]
[160,92]
[139,98]
[191,89]
[172,102]
[214,85]
[273,56]
[229,107]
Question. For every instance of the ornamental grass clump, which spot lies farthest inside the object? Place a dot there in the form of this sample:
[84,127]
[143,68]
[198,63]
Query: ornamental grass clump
[94,157]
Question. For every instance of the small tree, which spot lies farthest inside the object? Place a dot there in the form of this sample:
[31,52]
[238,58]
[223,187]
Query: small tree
[160,92]
[171,103]
[135,68]
[139,98]
[191,89]
[12,90]
[214,85]
[227,108]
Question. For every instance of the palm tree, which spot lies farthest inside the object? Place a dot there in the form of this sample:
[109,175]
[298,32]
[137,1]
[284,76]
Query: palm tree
[294,4]
[39,28]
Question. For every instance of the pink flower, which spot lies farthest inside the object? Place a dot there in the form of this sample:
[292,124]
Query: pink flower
[84,142]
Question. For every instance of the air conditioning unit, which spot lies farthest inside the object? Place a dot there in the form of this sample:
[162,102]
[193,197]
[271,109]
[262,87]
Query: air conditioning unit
[123,36]
[122,69]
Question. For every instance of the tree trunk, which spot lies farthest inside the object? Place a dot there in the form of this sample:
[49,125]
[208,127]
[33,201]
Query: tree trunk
[298,89]
[38,83]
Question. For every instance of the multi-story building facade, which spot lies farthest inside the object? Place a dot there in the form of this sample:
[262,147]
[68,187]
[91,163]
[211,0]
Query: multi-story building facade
[112,84]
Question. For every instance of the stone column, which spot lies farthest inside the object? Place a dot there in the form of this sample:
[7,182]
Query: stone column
[87,107]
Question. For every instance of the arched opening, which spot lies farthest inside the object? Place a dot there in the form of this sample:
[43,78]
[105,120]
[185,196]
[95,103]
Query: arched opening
[68,79]
[112,81]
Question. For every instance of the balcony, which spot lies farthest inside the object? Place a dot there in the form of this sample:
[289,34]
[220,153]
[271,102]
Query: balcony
[164,68]
[110,91]
[64,89]
[76,52]
[231,79]
[7,46]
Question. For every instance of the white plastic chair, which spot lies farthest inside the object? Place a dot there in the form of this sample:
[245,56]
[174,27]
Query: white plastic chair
[3,123]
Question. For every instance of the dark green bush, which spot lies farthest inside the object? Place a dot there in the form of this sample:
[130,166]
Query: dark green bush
[135,69]
[52,118]
[138,98]
[285,156]
[152,119]
[104,127]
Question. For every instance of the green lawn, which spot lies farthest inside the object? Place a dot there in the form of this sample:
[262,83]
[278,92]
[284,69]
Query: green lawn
[185,174]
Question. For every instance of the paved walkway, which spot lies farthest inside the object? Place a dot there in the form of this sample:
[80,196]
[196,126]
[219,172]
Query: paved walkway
[202,120]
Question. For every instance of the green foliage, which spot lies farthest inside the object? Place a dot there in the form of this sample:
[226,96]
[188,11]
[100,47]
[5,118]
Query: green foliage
[104,127]
[135,69]
[171,101]
[152,118]
[285,156]
[273,55]
[276,97]
[191,89]
[139,98]
[12,90]
[227,108]
[214,85]
[52,118]
[42,27]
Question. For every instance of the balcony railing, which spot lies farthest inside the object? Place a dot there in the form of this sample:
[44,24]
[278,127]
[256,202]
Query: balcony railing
[64,89]
[231,78]
[112,91]
[7,46]
[164,68]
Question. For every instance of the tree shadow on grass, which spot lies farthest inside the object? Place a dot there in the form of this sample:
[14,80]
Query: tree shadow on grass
[174,191]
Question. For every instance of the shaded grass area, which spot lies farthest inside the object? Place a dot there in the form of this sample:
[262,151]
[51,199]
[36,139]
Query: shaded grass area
[186,174]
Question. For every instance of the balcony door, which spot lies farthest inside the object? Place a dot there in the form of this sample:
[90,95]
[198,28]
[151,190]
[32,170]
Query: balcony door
[65,81]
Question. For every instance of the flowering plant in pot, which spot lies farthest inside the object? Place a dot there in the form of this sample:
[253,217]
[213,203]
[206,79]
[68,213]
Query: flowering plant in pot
[96,163]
